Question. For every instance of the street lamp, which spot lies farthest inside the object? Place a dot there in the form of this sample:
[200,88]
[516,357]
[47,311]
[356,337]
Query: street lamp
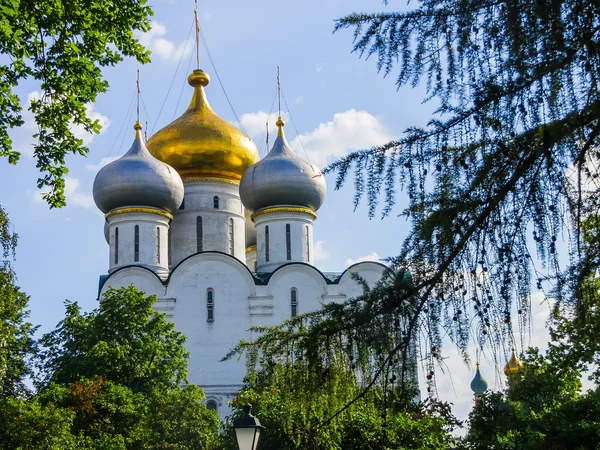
[247,430]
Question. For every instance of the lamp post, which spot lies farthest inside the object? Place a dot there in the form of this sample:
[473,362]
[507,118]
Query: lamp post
[247,430]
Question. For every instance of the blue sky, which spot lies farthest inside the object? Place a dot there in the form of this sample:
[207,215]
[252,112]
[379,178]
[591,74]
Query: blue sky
[338,103]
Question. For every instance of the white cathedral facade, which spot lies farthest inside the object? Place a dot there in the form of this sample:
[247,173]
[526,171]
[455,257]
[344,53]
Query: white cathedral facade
[224,240]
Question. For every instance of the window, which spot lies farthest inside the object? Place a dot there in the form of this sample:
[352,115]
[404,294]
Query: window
[307,245]
[216,202]
[199,238]
[267,243]
[210,306]
[231,239]
[136,243]
[294,302]
[157,245]
[255,265]
[288,242]
[117,245]
[182,204]
[211,405]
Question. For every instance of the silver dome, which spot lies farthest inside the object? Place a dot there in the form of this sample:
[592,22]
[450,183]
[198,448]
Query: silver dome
[282,178]
[138,179]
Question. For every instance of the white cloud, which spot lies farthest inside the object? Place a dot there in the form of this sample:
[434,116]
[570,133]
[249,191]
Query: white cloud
[348,131]
[104,161]
[299,100]
[255,124]
[319,251]
[73,194]
[164,48]
[319,67]
[373,256]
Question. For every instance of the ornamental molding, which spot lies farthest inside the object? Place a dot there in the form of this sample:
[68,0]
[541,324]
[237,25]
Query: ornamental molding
[288,209]
[212,180]
[134,210]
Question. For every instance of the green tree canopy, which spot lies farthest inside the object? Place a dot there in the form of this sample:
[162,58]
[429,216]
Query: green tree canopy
[113,379]
[63,46]
[123,341]
[542,408]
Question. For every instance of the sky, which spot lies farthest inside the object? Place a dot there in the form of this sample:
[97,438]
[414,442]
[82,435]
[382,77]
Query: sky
[337,102]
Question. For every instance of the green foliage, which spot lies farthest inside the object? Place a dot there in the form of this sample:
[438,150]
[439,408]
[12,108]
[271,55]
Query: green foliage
[542,409]
[124,341]
[16,341]
[111,379]
[301,410]
[490,197]
[63,46]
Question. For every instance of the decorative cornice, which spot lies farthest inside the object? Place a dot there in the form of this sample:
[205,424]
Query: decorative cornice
[292,209]
[251,248]
[213,179]
[160,212]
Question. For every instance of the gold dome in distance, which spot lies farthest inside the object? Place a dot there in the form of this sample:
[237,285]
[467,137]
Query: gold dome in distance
[201,145]
[513,364]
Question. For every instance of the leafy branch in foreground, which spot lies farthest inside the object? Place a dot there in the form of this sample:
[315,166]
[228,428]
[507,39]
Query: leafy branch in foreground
[63,46]
[498,183]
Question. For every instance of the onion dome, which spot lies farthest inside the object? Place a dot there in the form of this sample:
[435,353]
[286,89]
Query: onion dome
[138,179]
[250,230]
[200,144]
[282,178]
[478,385]
[513,364]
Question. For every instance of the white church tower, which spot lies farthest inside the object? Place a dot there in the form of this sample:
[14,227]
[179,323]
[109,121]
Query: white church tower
[138,195]
[211,156]
[284,193]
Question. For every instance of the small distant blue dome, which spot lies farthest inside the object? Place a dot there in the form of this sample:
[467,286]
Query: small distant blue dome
[478,385]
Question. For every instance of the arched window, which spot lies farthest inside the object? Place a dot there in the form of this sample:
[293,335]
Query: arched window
[231,238]
[157,245]
[216,202]
[255,265]
[211,405]
[182,204]
[117,245]
[267,243]
[288,242]
[199,237]
[136,243]
[294,302]
[210,305]
[307,245]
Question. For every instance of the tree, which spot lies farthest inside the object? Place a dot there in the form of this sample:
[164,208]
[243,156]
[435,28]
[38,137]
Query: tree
[294,404]
[124,341]
[495,181]
[63,46]
[16,334]
[118,374]
[541,409]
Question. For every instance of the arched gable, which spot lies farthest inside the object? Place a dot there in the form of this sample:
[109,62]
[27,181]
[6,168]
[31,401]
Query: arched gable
[141,277]
[370,271]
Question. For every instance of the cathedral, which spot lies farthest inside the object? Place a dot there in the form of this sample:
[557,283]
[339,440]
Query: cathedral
[224,240]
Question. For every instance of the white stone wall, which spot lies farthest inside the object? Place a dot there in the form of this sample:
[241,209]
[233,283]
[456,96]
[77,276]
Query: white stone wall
[300,239]
[147,223]
[240,301]
[198,201]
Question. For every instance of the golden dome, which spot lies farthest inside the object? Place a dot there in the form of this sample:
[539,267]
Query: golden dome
[513,364]
[200,144]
